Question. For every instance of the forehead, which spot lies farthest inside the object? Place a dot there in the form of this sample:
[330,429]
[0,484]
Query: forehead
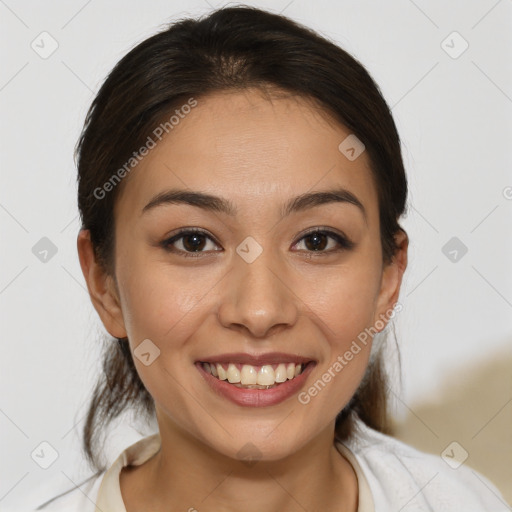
[246,146]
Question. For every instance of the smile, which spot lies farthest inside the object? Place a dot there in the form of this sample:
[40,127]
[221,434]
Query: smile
[254,377]
[255,381]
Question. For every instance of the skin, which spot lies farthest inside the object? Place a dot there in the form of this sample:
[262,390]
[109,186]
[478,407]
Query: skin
[258,153]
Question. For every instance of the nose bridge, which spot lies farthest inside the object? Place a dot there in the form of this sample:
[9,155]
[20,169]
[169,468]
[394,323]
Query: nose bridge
[257,297]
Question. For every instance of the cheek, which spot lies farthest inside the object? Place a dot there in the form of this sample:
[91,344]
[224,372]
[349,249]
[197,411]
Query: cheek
[346,312]
[345,304]
[161,304]
[345,301]
[157,300]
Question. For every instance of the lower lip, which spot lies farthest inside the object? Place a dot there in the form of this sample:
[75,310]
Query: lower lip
[256,397]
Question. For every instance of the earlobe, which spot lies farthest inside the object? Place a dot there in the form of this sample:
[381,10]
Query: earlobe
[392,279]
[101,287]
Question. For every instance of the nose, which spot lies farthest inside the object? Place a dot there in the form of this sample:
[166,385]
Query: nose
[257,297]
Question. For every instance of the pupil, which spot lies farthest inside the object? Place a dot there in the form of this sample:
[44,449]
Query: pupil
[198,244]
[317,243]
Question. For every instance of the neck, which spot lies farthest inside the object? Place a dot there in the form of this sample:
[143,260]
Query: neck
[188,475]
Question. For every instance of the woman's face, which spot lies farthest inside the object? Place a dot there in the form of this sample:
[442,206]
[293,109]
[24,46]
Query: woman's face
[256,289]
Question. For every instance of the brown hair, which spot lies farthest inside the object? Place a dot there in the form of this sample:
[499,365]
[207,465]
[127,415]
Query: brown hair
[230,49]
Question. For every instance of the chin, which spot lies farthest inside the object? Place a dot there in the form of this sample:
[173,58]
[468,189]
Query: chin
[257,443]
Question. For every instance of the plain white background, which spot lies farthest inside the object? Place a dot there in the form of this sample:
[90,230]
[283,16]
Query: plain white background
[454,115]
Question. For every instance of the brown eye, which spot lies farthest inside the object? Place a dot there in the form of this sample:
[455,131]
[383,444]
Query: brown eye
[188,242]
[193,242]
[318,241]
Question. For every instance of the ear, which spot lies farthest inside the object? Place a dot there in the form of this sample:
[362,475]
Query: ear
[391,280]
[102,289]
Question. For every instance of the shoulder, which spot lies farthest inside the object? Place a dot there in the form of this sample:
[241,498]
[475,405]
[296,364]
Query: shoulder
[403,478]
[79,498]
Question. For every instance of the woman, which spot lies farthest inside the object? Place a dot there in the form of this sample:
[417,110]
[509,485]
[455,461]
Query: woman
[240,189]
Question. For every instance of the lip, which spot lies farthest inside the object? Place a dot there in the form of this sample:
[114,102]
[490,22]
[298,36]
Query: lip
[257,397]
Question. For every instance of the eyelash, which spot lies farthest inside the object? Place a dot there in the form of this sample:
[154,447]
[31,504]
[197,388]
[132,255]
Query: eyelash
[344,243]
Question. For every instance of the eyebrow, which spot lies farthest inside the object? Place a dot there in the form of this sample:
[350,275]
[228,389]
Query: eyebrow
[218,204]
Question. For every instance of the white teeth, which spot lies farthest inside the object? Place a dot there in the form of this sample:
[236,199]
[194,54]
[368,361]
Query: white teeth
[249,375]
[221,372]
[281,373]
[233,374]
[266,376]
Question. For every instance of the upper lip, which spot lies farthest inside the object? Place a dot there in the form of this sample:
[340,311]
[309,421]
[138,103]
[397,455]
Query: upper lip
[257,359]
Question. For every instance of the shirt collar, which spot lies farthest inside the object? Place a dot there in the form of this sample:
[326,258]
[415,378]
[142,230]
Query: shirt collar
[109,494]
